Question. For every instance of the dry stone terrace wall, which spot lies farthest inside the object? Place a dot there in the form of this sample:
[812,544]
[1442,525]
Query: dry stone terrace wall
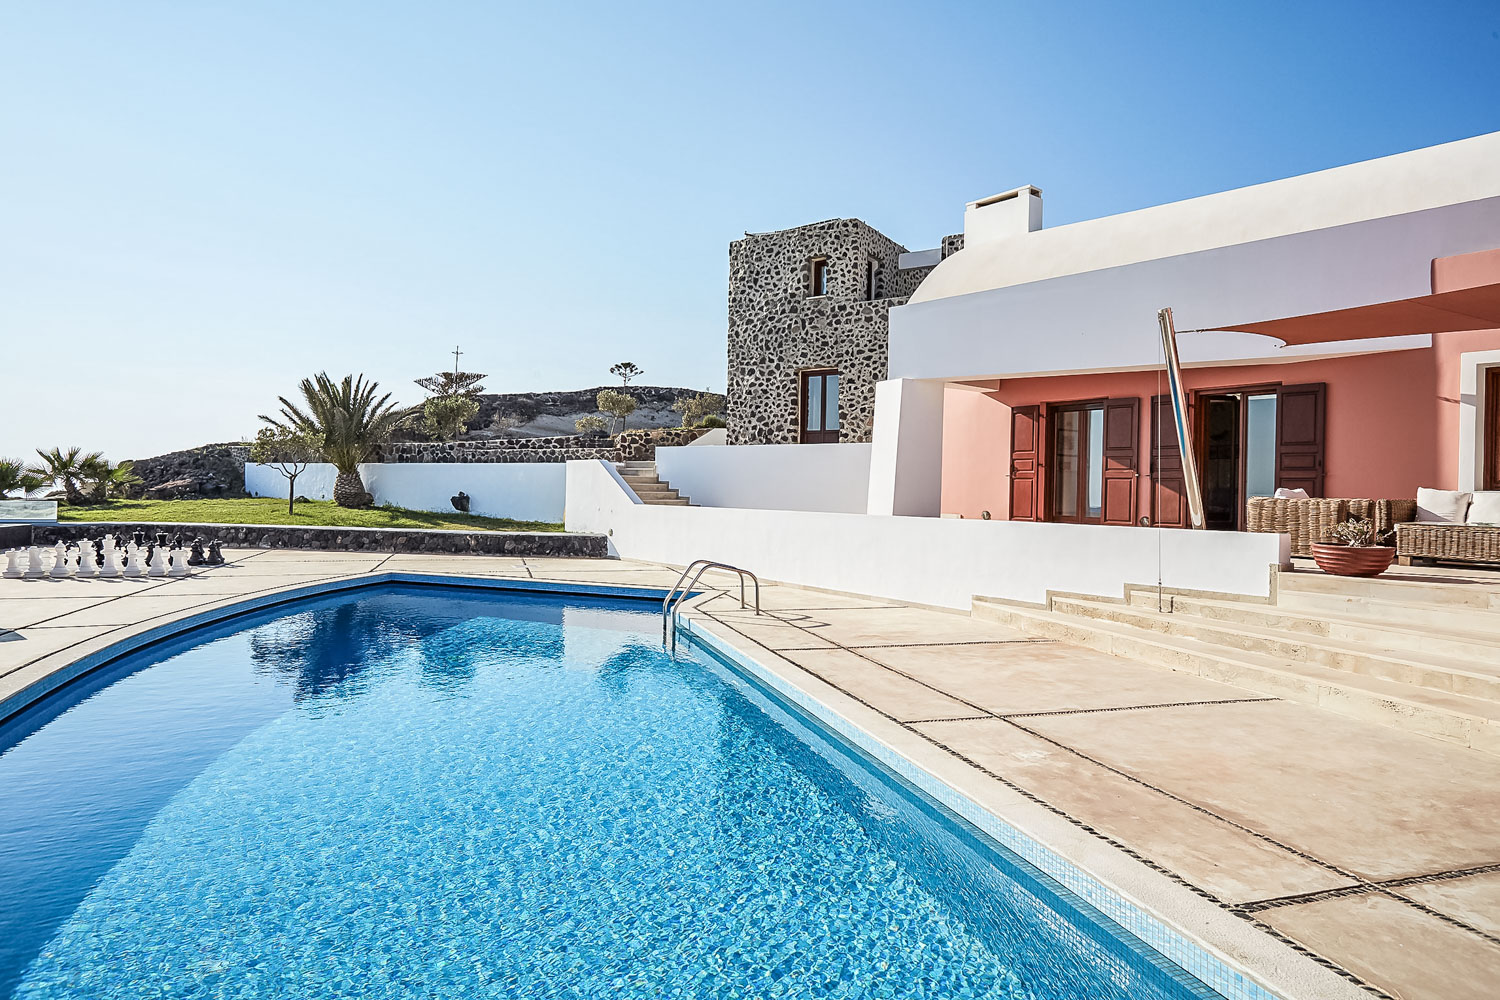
[270,536]
[777,330]
[536,449]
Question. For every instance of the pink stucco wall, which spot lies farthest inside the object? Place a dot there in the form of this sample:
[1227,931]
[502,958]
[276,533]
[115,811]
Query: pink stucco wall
[1392,420]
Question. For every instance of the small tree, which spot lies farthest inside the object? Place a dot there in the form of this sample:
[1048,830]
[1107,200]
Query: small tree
[290,451]
[446,417]
[626,370]
[697,407]
[590,424]
[618,405]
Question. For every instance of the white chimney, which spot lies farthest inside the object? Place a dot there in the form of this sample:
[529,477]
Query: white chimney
[1002,216]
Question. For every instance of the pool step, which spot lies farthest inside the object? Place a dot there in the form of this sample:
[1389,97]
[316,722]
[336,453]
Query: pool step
[642,478]
[1437,697]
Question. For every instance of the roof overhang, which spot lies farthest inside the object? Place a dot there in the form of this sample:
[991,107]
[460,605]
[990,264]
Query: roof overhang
[1465,296]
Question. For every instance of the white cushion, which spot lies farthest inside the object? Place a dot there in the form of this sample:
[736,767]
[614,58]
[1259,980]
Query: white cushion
[1485,508]
[1448,506]
[1285,494]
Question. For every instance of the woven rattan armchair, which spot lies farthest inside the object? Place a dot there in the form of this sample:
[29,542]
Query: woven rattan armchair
[1313,520]
[1473,543]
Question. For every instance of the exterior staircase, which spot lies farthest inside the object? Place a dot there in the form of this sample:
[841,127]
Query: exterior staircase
[1416,654]
[642,478]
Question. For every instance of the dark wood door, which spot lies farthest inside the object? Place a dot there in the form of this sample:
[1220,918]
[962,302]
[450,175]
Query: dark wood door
[1300,437]
[1492,429]
[1121,468]
[1169,507]
[1025,442]
[820,407]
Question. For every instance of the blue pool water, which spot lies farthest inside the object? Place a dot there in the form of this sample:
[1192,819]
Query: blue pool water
[438,793]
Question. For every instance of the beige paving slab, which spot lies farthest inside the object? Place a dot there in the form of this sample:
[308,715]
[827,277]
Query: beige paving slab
[1372,800]
[888,692]
[773,633]
[540,563]
[18,612]
[1047,677]
[136,608]
[25,645]
[1232,864]
[1407,953]
[1474,899]
[254,570]
[619,578]
[73,587]
[891,625]
[779,597]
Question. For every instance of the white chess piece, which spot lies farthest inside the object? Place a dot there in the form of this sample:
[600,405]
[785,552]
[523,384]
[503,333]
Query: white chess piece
[179,563]
[60,559]
[86,564]
[133,560]
[33,563]
[158,564]
[13,564]
[111,566]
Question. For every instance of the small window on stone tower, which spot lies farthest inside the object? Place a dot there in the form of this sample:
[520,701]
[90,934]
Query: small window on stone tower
[819,276]
[872,280]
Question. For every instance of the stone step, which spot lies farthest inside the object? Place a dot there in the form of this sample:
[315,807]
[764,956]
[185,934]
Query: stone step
[1472,722]
[646,466]
[1460,632]
[644,486]
[1419,615]
[1473,672]
[1446,592]
[672,501]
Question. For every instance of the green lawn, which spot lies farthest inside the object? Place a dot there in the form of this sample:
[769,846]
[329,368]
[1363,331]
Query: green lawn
[310,513]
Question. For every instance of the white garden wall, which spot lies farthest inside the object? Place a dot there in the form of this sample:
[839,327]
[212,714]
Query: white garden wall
[523,491]
[937,561]
[817,477]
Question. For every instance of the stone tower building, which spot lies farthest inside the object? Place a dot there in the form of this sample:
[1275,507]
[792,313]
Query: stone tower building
[808,328]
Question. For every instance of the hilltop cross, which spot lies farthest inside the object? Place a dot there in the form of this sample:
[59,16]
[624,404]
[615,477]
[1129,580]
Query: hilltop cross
[456,353]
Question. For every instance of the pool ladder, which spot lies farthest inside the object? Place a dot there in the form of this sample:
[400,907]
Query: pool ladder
[670,603]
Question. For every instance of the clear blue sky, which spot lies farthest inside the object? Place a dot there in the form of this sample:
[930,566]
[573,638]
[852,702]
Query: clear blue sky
[203,202]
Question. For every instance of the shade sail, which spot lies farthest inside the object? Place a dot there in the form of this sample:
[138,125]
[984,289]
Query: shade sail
[1466,296]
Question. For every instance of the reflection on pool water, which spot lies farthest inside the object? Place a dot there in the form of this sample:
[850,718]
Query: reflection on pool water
[430,792]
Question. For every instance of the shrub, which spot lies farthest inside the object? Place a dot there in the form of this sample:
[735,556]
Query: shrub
[590,424]
[713,420]
[445,417]
[695,408]
[618,405]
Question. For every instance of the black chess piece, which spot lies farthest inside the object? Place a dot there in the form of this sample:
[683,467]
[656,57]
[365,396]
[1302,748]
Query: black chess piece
[98,552]
[161,539]
[139,537]
[215,557]
[177,540]
[196,557]
[149,550]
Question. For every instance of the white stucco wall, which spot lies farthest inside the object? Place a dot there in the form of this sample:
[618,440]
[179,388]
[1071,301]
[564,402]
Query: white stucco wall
[816,477]
[937,561]
[906,460]
[525,492]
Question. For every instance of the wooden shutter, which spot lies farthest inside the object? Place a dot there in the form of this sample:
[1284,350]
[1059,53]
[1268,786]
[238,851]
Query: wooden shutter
[1300,436]
[1025,440]
[1121,432]
[1169,507]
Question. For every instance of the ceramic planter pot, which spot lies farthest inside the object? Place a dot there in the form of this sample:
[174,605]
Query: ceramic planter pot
[1353,560]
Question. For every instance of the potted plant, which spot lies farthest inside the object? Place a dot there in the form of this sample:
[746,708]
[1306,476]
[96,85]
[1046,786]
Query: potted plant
[1355,549]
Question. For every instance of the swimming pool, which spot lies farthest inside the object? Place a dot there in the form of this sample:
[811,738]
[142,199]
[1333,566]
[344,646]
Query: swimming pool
[433,792]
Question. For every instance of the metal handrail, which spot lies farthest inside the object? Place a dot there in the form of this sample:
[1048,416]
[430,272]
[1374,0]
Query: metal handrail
[670,603]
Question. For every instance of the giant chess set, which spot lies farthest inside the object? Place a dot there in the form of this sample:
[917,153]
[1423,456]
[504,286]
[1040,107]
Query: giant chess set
[110,557]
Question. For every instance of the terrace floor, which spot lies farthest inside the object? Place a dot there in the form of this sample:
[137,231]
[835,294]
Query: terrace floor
[1267,829]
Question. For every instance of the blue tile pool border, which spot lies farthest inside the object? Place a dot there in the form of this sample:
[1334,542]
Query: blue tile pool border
[1190,965]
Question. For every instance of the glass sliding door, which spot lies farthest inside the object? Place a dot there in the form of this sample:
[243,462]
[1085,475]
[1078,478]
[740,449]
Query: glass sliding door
[1078,463]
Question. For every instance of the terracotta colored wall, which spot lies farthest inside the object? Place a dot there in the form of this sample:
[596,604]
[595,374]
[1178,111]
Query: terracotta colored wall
[1391,423]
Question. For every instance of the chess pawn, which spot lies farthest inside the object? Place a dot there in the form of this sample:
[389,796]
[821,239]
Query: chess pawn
[215,556]
[111,567]
[157,564]
[179,562]
[33,563]
[133,561]
[86,565]
[59,559]
[197,558]
[13,564]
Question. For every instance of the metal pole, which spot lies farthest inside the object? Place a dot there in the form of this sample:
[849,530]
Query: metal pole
[1180,417]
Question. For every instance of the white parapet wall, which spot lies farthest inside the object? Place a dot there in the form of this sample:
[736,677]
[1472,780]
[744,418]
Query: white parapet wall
[523,491]
[943,562]
[831,478]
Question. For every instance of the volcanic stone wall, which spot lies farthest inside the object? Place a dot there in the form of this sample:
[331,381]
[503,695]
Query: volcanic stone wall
[271,536]
[778,329]
[503,450]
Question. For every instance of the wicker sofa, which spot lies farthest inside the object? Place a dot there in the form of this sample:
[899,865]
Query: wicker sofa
[1471,543]
[1311,520]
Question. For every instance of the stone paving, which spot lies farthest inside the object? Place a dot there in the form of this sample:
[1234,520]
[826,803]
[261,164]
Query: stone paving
[1268,830]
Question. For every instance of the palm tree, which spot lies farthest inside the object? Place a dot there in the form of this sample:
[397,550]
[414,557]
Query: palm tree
[67,470]
[104,480]
[15,477]
[351,422]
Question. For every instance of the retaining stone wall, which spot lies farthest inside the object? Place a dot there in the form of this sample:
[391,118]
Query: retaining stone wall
[271,536]
[506,450]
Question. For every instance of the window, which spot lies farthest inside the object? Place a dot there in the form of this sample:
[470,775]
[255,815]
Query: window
[872,280]
[820,407]
[1078,463]
[819,284]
